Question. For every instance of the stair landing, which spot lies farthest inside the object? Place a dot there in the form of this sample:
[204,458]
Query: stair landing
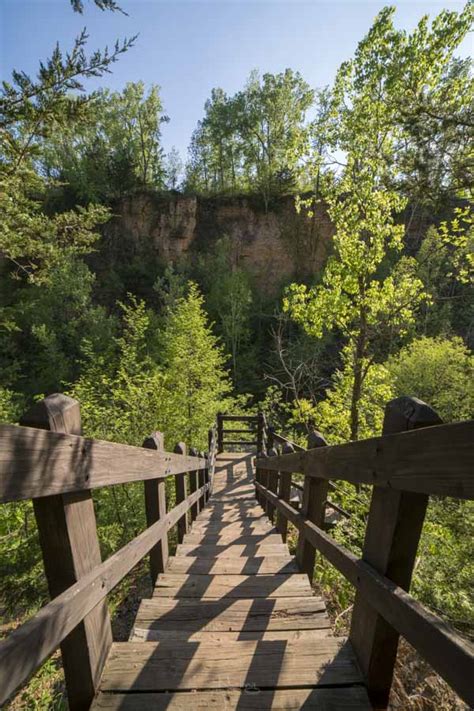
[232,625]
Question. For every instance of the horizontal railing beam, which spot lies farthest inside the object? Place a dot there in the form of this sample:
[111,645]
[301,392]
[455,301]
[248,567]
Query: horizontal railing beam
[447,652]
[31,644]
[36,463]
[240,418]
[434,460]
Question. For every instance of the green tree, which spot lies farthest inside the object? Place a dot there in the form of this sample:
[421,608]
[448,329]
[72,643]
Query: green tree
[439,371]
[197,382]
[114,149]
[368,292]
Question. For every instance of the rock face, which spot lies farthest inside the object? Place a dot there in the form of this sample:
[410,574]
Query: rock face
[274,246]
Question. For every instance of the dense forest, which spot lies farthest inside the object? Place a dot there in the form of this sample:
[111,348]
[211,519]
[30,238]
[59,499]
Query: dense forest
[391,311]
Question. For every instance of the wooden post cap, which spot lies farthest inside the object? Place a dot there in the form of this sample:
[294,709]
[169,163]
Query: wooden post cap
[180,448]
[408,413]
[287,448]
[316,439]
[193,452]
[57,412]
[154,441]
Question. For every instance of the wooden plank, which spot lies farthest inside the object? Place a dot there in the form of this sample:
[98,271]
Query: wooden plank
[145,635]
[258,525]
[240,418]
[313,506]
[335,699]
[231,586]
[232,516]
[264,565]
[155,509]
[36,463]
[29,645]
[232,538]
[450,655]
[232,551]
[434,460]
[227,431]
[181,494]
[391,542]
[237,615]
[70,547]
[154,666]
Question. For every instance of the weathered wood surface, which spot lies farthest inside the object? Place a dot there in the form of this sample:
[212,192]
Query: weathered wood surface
[239,615]
[342,699]
[265,565]
[450,655]
[181,493]
[155,666]
[313,506]
[231,551]
[214,527]
[155,509]
[36,463]
[230,586]
[143,635]
[434,460]
[391,542]
[233,615]
[70,547]
[233,538]
[29,645]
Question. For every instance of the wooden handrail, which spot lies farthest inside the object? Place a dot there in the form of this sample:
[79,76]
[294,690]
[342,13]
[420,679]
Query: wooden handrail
[36,463]
[447,652]
[434,460]
[28,646]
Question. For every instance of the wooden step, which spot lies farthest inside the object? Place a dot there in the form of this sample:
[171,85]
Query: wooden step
[175,665]
[143,635]
[232,586]
[231,551]
[353,698]
[221,527]
[237,615]
[263,565]
[235,538]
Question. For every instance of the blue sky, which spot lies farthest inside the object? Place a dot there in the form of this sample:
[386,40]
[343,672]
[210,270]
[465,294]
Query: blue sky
[190,46]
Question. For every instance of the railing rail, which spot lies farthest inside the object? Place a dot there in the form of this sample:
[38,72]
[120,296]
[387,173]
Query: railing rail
[47,460]
[404,468]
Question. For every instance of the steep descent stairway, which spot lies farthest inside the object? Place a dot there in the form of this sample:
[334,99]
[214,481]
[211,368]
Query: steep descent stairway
[232,624]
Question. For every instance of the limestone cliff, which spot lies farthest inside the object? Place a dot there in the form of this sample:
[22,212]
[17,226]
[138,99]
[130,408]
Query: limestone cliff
[274,245]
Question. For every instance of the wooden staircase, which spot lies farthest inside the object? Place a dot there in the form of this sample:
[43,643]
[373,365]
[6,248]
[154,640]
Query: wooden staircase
[233,623]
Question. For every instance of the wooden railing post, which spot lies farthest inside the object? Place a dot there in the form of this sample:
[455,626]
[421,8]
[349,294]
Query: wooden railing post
[193,484]
[70,546]
[284,493]
[391,541]
[270,440]
[272,485]
[258,476]
[202,481]
[261,444]
[313,507]
[155,508]
[220,432]
[181,494]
